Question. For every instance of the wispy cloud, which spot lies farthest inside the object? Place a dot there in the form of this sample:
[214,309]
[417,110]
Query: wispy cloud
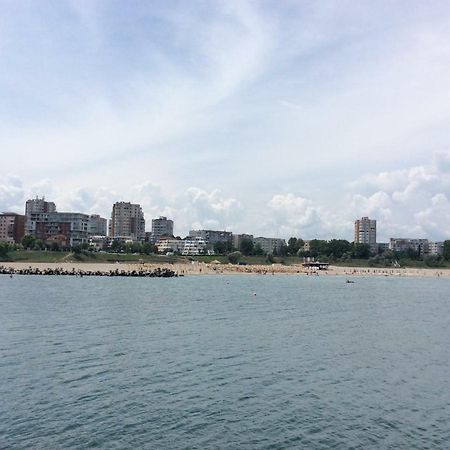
[255,100]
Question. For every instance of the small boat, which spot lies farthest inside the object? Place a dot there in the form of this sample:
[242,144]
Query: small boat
[349,281]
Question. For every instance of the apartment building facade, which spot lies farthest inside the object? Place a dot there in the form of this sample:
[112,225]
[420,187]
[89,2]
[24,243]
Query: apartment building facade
[12,227]
[127,221]
[269,245]
[161,226]
[212,237]
[366,232]
[67,229]
[36,210]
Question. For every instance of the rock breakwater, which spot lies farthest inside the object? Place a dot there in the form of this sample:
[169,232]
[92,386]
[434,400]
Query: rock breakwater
[157,272]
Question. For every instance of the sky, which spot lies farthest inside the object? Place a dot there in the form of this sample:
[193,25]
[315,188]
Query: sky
[276,118]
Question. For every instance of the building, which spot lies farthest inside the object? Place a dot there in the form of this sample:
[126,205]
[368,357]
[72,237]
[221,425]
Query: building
[127,220]
[36,210]
[366,232]
[38,205]
[170,245]
[382,246]
[162,226]
[98,226]
[236,239]
[194,246]
[269,245]
[67,229]
[436,248]
[99,243]
[212,237]
[306,246]
[420,246]
[12,227]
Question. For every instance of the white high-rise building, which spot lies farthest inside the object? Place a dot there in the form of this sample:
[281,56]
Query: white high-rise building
[127,221]
[366,232]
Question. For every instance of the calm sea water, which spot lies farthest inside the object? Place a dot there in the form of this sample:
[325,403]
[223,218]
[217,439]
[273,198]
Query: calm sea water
[203,363]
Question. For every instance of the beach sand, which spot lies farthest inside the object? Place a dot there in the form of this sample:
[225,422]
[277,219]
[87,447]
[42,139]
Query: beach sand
[196,268]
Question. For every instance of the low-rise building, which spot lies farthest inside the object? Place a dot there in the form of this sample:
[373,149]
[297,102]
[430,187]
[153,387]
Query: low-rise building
[269,245]
[436,248]
[404,244]
[99,243]
[212,237]
[170,245]
[382,246]
[66,228]
[194,246]
[12,227]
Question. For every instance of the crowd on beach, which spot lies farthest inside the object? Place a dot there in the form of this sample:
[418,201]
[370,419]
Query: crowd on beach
[201,268]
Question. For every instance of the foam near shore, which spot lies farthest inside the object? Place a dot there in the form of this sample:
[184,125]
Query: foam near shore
[197,268]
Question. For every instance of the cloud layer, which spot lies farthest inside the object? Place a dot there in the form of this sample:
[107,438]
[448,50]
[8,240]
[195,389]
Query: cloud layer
[411,202]
[272,118]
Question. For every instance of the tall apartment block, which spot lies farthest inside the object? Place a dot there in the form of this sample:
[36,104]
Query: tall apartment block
[162,226]
[366,232]
[98,226]
[35,211]
[127,221]
[12,227]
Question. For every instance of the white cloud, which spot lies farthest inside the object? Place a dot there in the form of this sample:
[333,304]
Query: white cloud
[410,202]
[289,215]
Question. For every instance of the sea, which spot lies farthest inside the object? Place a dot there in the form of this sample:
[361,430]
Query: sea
[224,362]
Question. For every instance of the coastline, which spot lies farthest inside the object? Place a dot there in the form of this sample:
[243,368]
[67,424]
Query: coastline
[198,268]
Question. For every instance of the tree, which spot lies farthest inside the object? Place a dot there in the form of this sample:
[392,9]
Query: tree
[283,250]
[222,247]
[234,257]
[4,249]
[338,247]
[294,245]
[447,250]
[257,250]
[318,247]
[117,245]
[28,241]
[361,251]
[38,244]
[147,248]
[246,246]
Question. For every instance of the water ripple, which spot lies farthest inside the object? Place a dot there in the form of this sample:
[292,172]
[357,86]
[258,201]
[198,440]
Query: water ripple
[200,363]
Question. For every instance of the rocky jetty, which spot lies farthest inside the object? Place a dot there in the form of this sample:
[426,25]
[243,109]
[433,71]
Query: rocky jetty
[158,272]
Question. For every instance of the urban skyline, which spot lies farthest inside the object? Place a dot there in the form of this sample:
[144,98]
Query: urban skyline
[127,223]
[289,118]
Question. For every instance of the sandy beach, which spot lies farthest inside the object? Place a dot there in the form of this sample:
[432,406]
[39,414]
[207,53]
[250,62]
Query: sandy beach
[196,268]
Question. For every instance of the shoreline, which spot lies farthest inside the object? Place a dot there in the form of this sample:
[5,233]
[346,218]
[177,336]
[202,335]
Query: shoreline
[199,268]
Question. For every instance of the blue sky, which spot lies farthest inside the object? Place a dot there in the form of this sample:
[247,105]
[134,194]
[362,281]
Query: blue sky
[276,118]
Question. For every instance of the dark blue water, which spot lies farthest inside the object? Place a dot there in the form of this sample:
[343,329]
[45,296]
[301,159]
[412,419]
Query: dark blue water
[202,363]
